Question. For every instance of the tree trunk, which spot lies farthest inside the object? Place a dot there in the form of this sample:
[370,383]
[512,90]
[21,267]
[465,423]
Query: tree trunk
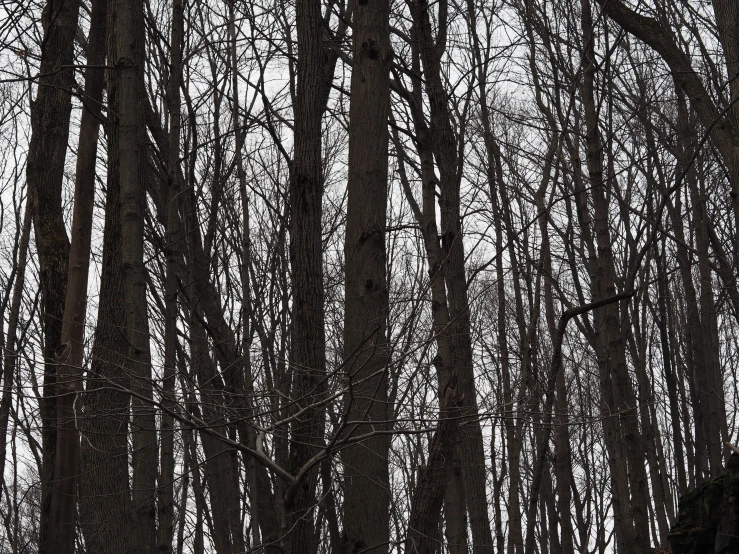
[423,524]
[677,439]
[618,397]
[445,151]
[105,494]
[10,354]
[132,166]
[166,474]
[366,477]
[711,383]
[45,174]
[307,348]
[70,353]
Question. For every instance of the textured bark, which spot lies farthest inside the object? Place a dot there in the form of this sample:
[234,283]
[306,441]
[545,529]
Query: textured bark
[105,497]
[132,139]
[366,477]
[307,344]
[45,174]
[105,504]
[455,514]
[70,353]
[423,524]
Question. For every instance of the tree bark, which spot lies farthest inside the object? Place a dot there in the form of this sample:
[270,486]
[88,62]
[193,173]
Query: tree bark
[105,504]
[445,150]
[70,353]
[366,474]
[423,524]
[165,504]
[632,531]
[132,165]
[45,175]
[307,349]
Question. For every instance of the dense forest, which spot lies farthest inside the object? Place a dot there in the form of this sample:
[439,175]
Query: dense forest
[366,276]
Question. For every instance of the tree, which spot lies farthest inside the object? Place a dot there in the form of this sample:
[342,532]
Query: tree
[366,355]
[365,277]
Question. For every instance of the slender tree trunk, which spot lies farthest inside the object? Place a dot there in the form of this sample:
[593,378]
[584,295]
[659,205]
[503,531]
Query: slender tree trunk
[10,354]
[70,353]
[105,494]
[423,524]
[307,348]
[166,474]
[639,353]
[677,439]
[694,344]
[219,472]
[633,534]
[260,515]
[132,139]
[45,174]
[445,151]
[713,393]
[433,490]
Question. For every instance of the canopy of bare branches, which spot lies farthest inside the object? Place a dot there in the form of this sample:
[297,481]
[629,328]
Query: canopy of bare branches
[338,276]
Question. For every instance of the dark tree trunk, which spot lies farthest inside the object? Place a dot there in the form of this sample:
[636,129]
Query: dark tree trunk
[105,494]
[165,494]
[45,175]
[366,478]
[132,168]
[445,150]
[616,389]
[307,349]
[70,354]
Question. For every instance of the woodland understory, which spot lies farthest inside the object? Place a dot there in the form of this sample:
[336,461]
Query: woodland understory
[365,276]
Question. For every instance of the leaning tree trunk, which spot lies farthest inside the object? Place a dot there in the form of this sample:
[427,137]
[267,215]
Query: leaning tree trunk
[435,487]
[445,146]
